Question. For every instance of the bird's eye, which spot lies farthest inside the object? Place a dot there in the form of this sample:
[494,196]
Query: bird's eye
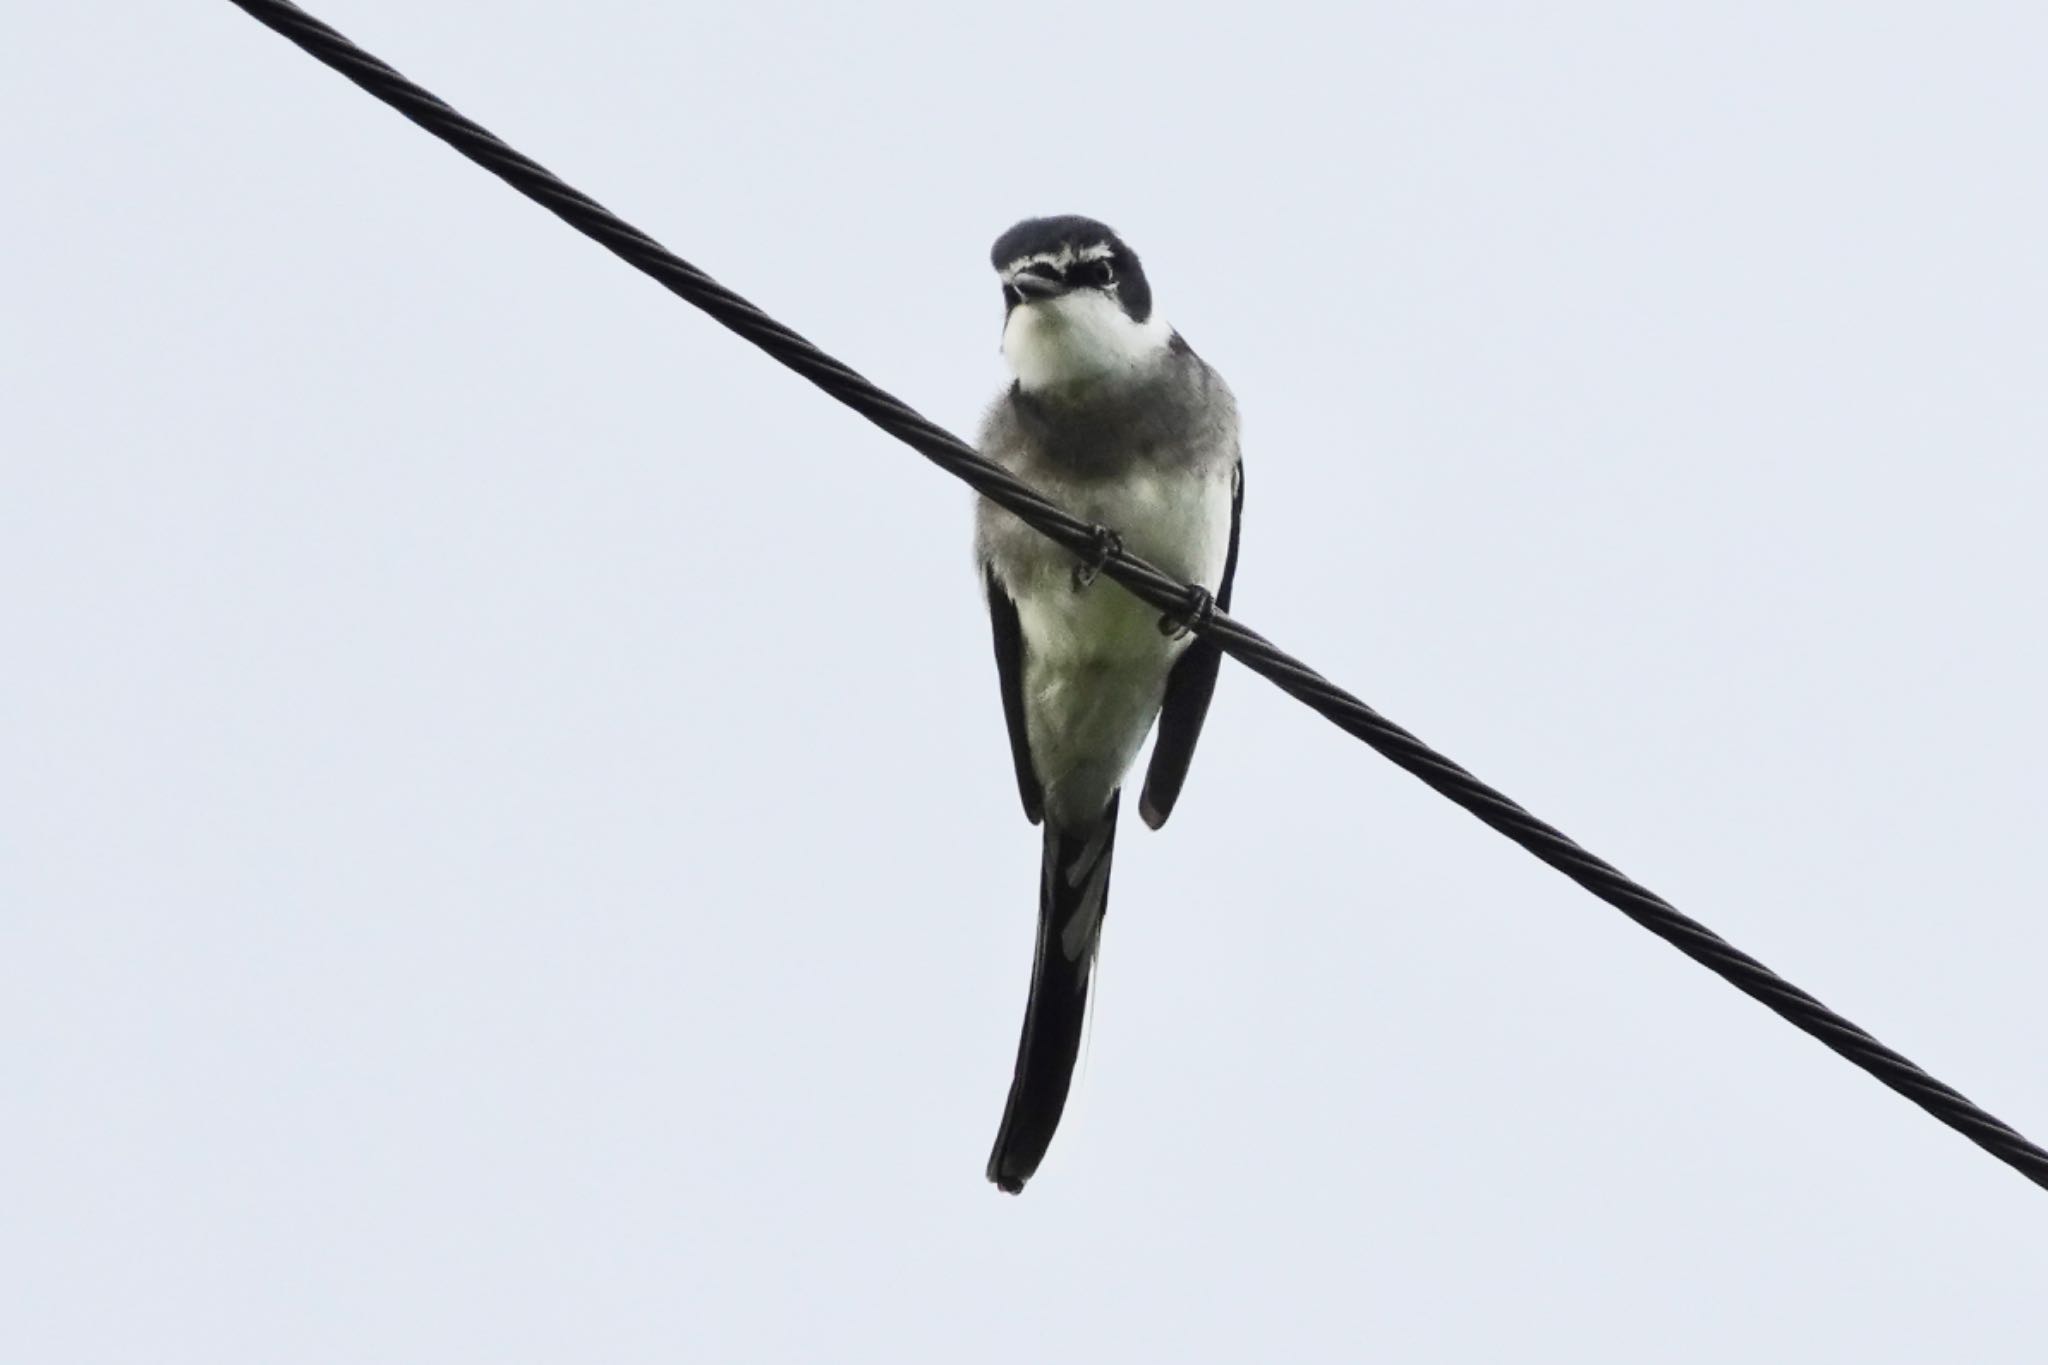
[1095,274]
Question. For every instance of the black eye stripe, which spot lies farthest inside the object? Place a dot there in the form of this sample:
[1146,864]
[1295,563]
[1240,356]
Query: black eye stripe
[1098,272]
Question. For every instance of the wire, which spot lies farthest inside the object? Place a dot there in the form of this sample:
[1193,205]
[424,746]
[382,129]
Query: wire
[1171,596]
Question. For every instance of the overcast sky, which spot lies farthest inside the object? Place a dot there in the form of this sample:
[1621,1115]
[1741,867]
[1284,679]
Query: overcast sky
[507,842]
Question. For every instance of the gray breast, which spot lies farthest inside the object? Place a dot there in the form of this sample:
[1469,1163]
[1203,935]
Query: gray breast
[1178,417]
[1150,458]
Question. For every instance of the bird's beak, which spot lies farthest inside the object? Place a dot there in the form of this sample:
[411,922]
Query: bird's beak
[1034,285]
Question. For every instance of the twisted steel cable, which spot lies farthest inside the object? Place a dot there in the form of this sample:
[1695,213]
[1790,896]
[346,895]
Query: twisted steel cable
[1173,598]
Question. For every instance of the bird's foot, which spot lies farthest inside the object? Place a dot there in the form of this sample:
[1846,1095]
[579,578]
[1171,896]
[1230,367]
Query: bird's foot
[1201,611]
[1108,545]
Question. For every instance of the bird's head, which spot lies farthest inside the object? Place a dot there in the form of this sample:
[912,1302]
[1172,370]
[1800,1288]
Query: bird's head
[1076,306]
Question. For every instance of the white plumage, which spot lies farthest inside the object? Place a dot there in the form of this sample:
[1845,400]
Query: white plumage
[1095,662]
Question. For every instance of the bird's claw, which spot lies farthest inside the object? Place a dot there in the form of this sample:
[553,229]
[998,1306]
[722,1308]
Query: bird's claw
[1201,611]
[1108,545]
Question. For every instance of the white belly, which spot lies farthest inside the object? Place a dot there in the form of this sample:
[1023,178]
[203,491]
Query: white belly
[1095,661]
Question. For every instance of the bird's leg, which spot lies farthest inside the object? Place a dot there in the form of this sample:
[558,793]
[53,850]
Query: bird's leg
[1108,545]
[1201,611]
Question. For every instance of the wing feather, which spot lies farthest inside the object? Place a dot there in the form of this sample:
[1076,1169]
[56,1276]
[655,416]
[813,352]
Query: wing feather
[1188,689]
[1009,640]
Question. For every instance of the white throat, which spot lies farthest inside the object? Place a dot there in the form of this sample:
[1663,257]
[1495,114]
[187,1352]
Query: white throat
[1079,337]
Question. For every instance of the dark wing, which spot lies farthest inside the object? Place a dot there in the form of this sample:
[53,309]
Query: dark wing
[1188,689]
[1002,615]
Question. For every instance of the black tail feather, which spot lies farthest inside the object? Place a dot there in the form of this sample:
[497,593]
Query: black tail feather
[1073,893]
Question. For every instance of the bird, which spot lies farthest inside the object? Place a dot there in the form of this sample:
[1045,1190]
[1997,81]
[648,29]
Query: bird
[1112,415]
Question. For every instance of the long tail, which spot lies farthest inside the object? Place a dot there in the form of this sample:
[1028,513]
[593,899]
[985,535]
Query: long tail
[1073,893]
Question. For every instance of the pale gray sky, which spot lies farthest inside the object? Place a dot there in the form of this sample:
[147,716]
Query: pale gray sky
[507,846]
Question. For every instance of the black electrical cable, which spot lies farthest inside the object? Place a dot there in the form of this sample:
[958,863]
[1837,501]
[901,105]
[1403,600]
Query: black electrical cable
[1175,599]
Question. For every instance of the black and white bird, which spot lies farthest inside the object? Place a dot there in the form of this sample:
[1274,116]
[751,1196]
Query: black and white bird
[1112,416]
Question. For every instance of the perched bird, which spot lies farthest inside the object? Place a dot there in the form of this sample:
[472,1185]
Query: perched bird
[1115,418]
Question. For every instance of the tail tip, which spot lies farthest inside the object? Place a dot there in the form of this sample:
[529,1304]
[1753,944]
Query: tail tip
[1005,1176]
